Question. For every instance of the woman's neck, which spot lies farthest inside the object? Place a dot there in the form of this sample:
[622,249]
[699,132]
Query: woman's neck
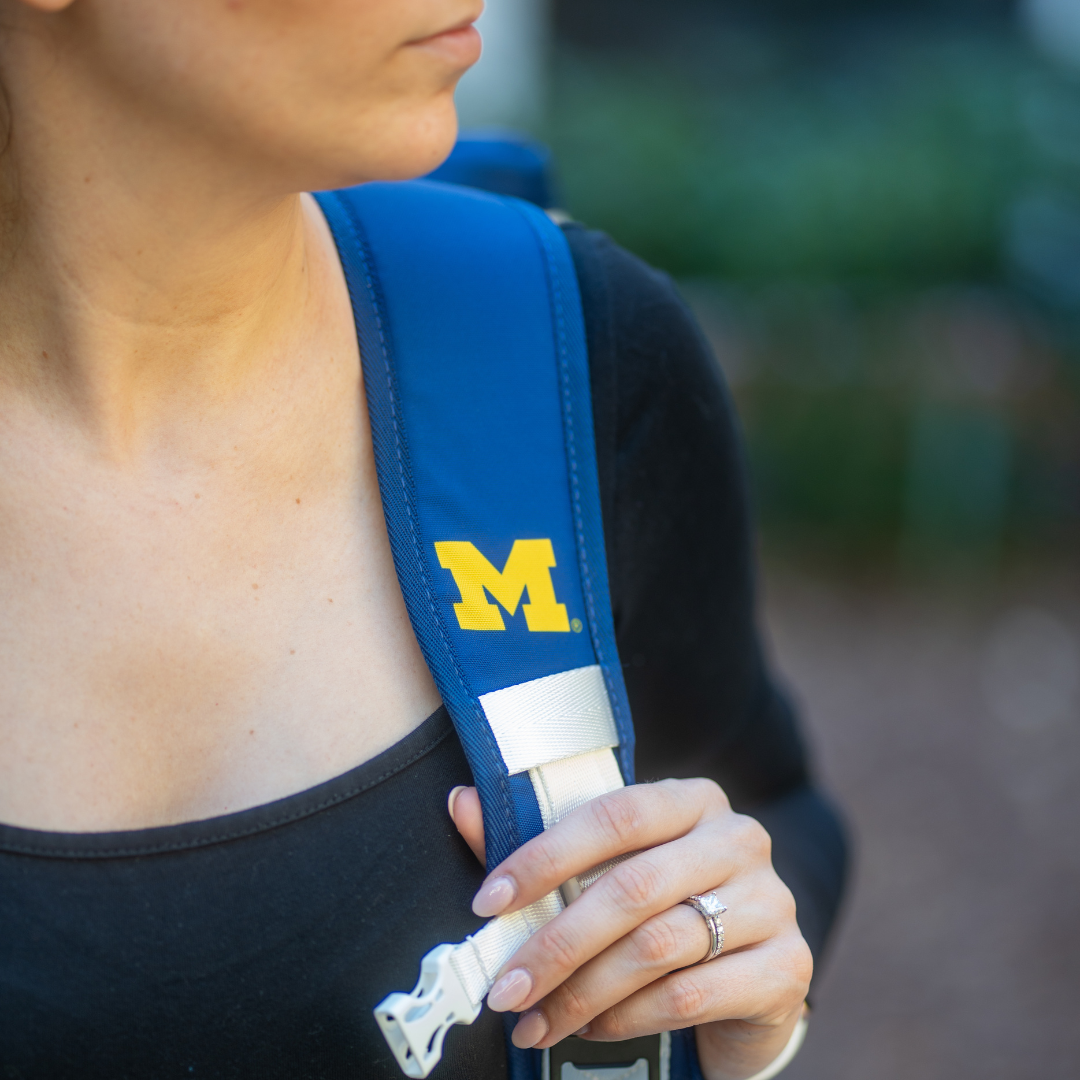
[143,278]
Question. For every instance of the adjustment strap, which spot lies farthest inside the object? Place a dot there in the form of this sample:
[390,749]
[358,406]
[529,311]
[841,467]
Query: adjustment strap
[455,979]
[562,786]
[478,959]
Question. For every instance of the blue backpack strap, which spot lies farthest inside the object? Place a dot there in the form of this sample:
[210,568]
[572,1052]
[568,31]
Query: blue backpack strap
[502,162]
[477,383]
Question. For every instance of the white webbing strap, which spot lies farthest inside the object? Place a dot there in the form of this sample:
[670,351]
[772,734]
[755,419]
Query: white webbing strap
[552,718]
[560,730]
[562,786]
[478,958]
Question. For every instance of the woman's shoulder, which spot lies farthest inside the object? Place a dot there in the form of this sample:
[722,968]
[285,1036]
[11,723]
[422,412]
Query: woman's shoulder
[647,352]
[623,295]
[665,423]
[596,252]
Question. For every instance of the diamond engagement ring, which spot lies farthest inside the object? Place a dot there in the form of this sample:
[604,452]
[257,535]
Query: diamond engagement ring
[710,907]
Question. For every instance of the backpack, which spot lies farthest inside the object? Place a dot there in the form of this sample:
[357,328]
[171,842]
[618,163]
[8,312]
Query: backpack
[477,381]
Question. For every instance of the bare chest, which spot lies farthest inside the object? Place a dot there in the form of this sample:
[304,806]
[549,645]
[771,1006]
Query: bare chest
[190,646]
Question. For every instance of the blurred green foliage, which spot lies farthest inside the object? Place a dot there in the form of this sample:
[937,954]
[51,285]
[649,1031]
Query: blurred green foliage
[895,164]
[924,429]
[837,209]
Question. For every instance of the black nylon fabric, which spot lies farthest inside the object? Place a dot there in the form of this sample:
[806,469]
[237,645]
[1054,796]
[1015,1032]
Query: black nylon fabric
[678,538]
[253,947]
[680,555]
[237,948]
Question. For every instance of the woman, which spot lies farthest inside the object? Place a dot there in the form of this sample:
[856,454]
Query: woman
[224,768]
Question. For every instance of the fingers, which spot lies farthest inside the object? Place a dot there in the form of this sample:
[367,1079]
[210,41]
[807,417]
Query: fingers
[633,892]
[776,971]
[622,900]
[623,959]
[463,805]
[673,939]
[614,824]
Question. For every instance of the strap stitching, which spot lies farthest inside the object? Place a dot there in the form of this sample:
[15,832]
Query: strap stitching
[564,370]
[369,284]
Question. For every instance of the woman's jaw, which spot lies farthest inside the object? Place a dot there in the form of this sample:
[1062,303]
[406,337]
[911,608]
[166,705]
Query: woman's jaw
[312,93]
[156,154]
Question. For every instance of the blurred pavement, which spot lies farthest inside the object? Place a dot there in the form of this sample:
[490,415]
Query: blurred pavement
[947,723]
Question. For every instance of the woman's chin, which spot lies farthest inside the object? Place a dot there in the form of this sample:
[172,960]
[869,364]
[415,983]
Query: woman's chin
[410,148]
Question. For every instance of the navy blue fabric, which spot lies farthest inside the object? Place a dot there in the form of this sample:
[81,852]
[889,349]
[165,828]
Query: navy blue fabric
[684,1059]
[583,475]
[525,805]
[521,1064]
[477,382]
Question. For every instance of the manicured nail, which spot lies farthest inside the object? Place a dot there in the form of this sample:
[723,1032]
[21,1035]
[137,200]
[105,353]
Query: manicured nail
[452,798]
[531,1028]
[510,991]
[495,896]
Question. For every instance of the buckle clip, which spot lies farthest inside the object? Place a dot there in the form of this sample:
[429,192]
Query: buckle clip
[416,1024]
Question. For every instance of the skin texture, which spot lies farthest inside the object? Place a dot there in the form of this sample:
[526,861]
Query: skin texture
[198,607]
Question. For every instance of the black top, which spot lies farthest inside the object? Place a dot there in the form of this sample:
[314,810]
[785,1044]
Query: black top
[255,945]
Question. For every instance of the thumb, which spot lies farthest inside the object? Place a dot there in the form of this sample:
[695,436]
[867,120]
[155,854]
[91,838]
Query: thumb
[464,807]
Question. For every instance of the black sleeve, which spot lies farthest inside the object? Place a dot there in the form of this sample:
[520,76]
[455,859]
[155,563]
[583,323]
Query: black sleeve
[681,566]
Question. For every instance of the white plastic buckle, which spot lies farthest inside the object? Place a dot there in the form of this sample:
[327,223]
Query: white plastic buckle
[416,1024]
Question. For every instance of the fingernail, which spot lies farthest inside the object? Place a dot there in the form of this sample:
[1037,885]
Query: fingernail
[531,1028]
[582,1031]
[452,798]
[495,896]
[510,991]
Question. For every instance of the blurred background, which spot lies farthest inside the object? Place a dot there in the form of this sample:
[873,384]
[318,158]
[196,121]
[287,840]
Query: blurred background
[874,209]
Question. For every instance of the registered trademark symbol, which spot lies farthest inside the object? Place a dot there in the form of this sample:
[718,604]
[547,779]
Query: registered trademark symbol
[575,625]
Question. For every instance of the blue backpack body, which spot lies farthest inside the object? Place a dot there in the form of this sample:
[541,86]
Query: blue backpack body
[477,381]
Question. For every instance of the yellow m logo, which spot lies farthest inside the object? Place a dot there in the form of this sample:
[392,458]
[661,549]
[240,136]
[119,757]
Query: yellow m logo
[528,567]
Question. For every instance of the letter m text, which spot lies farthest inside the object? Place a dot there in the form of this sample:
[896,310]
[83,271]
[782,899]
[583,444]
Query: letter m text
[528,567]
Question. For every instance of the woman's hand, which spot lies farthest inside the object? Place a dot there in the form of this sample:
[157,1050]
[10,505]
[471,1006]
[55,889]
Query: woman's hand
[621,961]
